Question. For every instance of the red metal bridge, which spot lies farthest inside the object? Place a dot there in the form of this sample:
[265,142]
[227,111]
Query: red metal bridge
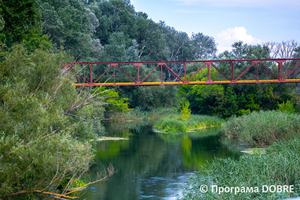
[238,71]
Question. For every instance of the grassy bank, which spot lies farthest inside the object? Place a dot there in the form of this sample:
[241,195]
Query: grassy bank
[278,166]
[174,123]
[263,128]
[163,119]
[123,123]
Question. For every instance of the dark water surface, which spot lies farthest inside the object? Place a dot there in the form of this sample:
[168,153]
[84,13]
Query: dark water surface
[153,165]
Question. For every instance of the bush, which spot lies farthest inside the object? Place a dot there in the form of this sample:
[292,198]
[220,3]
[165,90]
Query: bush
[170,125]
[174,123]
[287,107]
[40,145]
[185,111]
[263,128]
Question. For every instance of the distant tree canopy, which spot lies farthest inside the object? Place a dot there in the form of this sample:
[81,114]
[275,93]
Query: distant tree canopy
[20,21]
[114,31]
[228,100]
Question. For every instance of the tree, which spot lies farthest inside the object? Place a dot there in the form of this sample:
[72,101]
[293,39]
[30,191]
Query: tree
[202,98]
[178,43]
[44,126]
[21,22]
[283,49]
[204,47]
[185,111]
[69,24]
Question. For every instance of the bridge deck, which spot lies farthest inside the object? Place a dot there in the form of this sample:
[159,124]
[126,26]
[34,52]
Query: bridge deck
[189,83]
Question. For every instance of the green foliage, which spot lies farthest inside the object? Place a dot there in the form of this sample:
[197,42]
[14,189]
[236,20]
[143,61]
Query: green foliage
[21,22]
[263,128]
[40,141]
[236,99]
[279,166]
[112,98]
[169,124]
[287,107]
[149,98]
[204,47]
[185,111]
[114,31]
[202,98]
[174,123]
[245,51]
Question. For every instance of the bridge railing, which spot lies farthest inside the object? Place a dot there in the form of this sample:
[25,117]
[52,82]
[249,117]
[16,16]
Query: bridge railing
[239,71]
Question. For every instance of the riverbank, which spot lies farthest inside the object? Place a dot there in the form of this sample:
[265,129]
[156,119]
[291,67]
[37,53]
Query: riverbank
[263,128]
[175,124]
[277,165]
[166,120]
[103,138]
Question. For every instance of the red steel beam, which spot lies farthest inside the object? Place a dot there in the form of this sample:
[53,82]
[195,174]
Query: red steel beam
[292,70]
[151,72]
[267,70]
[197,72]
[220,72]
[125,73]
[173,73]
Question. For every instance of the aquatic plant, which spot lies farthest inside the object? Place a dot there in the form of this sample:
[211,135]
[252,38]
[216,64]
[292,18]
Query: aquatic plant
[279,166]
[263,128]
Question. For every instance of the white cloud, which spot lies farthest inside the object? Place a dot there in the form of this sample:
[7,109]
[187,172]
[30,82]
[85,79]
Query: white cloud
[227,37]
[240,3]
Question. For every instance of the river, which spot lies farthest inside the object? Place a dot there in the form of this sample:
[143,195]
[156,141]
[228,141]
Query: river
[152,165]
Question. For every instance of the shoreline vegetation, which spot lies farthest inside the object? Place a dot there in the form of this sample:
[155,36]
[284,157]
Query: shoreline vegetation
[174,124]
[166,120]
[103,138]
[274,160]
[263,128]
[275,164]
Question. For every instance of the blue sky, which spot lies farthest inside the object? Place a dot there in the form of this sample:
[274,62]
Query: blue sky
[228,21]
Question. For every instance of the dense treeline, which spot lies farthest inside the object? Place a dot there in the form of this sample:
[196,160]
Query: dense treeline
[112,30]
[239,99]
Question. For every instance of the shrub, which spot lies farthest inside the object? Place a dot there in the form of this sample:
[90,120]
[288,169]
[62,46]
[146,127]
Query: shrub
[170,125]
[185,111]
[174,123]
[263,128]
[287,107]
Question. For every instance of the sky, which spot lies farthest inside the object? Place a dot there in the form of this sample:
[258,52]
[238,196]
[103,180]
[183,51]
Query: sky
[228,21]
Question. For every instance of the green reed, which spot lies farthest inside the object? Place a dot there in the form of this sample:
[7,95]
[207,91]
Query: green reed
[263,128]
[278,166]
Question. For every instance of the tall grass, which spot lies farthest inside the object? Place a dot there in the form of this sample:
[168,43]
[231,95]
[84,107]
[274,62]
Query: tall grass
[174,123]
[164,119]
[279,166]
[263,128]
[137,118]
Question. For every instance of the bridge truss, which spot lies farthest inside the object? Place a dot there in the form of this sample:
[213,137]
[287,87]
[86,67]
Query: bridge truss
[239,71]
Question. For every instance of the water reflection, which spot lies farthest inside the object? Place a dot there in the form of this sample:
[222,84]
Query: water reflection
[153,165]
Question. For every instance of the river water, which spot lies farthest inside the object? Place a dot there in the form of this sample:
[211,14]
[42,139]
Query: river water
[152,165]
